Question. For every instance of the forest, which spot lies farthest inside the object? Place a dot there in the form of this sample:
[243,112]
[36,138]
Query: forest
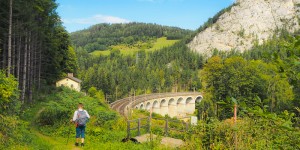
[170,69]
[36,50]
[101,36]
[34,46]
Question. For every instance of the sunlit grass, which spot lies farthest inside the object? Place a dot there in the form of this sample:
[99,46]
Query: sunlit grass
[132,49]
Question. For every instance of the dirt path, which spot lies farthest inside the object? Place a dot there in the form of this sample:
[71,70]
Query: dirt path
[56,143]
[167,141]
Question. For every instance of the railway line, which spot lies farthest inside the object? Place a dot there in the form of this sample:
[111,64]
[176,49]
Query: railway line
[122,105]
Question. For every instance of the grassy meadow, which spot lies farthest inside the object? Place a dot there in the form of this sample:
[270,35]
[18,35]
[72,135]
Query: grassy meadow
[132,49]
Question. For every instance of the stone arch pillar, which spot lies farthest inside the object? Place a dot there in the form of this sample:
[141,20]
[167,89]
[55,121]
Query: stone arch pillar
[148,106]
[198,99]
[190,105]
[163,107]
[181,107]
[142,106]
[155,107]
[172,108]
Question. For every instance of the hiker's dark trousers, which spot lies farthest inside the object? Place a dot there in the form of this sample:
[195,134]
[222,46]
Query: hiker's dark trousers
[80,130]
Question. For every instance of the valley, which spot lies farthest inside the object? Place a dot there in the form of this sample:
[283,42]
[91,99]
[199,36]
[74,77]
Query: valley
[233,83]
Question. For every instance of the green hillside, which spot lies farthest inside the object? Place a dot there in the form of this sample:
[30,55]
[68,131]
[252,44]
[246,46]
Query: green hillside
[126,50]
[135,35]
[46,124]
[260,87]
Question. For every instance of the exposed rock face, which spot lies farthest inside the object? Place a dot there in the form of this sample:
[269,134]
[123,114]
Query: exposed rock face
[248,21]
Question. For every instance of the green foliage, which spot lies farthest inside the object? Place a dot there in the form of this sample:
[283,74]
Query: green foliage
[245,80]
[71,61]
[102,36]
[106,118]
[61,57]
[16,134]
[61,106]
[260,130]
[93,92]
[50,42]
[9,93]
[152,45]
[277,64]
[105,130]
[11,131]
[169,69]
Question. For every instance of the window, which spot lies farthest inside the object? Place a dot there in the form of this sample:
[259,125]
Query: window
[72,86]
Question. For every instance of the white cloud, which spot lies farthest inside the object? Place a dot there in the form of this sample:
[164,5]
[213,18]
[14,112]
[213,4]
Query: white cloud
[96,19]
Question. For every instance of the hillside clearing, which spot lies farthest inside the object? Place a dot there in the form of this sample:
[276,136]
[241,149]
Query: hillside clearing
[129,50]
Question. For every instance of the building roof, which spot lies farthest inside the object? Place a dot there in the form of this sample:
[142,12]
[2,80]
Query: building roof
[75,79]
[72,78]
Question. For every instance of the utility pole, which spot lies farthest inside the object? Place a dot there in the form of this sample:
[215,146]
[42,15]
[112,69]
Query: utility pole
[131,99]
[116,93]
[106,98]
[235,118]
[134,95]
[235,113]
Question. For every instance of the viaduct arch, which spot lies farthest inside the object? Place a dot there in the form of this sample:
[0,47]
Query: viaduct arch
[172,104]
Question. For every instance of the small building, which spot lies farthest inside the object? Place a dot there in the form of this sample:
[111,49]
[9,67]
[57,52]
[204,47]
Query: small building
[71,82]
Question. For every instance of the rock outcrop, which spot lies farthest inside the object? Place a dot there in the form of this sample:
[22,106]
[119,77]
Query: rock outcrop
[246,22]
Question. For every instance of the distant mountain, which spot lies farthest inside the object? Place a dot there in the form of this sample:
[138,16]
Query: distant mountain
[102,36]
[245,23]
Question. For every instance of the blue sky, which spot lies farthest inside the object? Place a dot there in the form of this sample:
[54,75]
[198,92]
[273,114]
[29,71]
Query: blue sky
[187,14]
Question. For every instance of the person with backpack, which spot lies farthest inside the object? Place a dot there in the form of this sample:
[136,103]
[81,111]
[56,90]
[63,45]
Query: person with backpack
[80,119]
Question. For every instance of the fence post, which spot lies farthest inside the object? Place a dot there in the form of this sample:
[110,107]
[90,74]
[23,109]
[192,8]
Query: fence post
[149,125]
[166,127]
[139,127]
[187,126]
[128,129]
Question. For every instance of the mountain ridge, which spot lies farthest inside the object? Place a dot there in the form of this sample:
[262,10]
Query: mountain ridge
[103,36]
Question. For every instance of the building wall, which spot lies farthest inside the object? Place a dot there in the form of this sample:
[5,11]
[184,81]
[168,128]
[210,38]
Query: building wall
[69,83]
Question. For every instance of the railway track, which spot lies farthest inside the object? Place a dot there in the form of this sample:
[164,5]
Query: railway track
[122,105]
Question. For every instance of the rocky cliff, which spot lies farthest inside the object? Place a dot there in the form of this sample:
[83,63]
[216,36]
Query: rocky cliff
[248,21]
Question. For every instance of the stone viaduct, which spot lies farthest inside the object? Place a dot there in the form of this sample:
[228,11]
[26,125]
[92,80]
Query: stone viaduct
[172,104]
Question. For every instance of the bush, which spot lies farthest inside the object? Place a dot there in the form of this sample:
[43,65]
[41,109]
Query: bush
[260,131]
[9,94]
[53,112]
[104,117]
[59,109]
[13,132]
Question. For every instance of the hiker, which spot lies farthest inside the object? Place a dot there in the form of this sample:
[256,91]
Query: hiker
[80,119]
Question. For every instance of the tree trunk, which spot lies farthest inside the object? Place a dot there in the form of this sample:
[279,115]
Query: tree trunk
[40,66]
[29,68]
[13,62]
[19,58]
[9,38]
[24,70]
[4,55]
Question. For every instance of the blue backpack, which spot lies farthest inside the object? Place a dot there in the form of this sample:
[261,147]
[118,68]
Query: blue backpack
[82,118]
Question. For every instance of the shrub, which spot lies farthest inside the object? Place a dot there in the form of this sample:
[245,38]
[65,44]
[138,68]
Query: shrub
[260,131]
[53,112]
[9,93]
[13,132]
[105,117]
